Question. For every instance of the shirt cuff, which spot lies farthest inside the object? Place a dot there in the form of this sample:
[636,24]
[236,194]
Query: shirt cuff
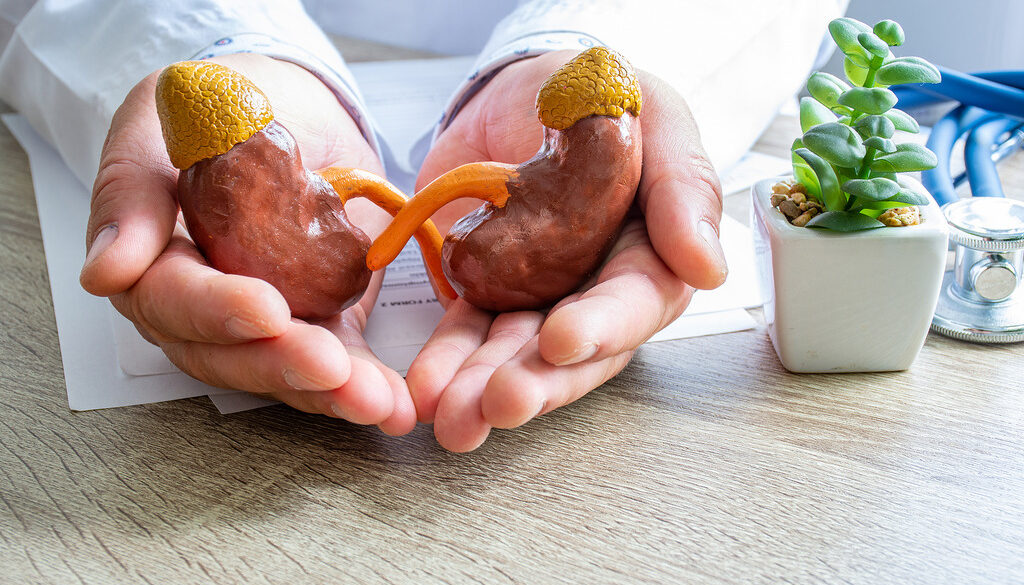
[338,78]
[490,64]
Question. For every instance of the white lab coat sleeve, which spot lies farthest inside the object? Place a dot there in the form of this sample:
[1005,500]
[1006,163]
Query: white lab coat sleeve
[67,66]
[736,62]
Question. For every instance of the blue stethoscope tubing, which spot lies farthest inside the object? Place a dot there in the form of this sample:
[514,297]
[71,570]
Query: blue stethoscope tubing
[992,104]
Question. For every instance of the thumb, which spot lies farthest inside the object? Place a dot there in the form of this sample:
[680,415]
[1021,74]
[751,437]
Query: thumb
[461,143]
[458,145]
[133,208]
[679,191]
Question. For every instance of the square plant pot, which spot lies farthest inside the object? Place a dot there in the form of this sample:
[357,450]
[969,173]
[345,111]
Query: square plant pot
[848,302]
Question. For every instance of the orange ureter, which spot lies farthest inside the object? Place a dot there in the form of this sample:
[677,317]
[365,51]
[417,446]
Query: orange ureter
[482,180]
[349,183]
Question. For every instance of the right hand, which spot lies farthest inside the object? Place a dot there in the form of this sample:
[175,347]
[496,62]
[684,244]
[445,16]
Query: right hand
[228,330]
[482,370]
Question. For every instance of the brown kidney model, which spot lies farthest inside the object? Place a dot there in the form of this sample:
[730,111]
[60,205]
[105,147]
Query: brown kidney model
[254,210]
[549,222]
[250,205]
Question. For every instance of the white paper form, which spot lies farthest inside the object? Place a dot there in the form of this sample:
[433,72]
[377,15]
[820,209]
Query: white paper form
[405,314]
[91,371]
[405,99]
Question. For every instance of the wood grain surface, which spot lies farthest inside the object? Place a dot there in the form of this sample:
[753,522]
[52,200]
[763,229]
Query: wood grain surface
[703,462]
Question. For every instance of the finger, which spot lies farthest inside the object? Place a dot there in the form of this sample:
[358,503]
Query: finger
[453,149]
[461,331]
[379,396]
[679,191]
[366,397]
[133,208]
[304,357]
[635,296]
[527,386]
[358,401]
[461,143]
[459,424]
[402,419]
[180,298]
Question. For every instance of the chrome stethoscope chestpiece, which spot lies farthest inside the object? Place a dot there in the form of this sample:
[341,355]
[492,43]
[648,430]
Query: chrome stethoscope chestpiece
[982,298]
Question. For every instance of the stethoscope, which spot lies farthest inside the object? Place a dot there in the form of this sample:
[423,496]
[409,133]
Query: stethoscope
[982,297]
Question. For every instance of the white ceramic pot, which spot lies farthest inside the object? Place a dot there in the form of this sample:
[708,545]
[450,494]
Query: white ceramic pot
[848,302]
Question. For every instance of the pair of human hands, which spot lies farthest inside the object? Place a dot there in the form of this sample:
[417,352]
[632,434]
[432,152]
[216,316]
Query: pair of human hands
[479,370]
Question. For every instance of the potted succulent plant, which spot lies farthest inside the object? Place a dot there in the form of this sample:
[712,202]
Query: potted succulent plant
[851,251]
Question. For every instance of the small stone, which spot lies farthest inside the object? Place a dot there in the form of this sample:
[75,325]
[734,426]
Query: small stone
[804,217]
[789,209]
[780,188]
[798,198]
[777,198]
[900,216]
[798,188]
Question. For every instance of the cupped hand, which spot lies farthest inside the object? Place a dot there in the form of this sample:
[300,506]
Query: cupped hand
[481,370]
[228,330]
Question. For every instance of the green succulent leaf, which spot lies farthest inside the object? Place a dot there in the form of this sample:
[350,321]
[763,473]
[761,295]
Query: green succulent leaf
[889,31]
[858,61]
[908,157]
[803,172]
[854,72]
[881,144]
[805,176]
[877,174]
[845,31]
[844,221]
[812,113]
[830,195]
[870,100]
[909,197]
[826,88]
[907,70]
[875,208]
[872,189]
[836,143]
[881,175]
[902,121]
[875,125]
[873,44]
[843,111]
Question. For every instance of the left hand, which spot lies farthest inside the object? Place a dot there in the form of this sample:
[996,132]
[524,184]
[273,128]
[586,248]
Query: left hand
[481,370]
[229,330]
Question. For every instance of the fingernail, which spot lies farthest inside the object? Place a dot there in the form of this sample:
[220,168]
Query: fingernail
[338,412]
[540,411]
[300,382]
[243,328]
[104,237]
[710,236]
[585,352]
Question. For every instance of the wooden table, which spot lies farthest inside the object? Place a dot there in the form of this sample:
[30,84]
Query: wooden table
[703,462]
